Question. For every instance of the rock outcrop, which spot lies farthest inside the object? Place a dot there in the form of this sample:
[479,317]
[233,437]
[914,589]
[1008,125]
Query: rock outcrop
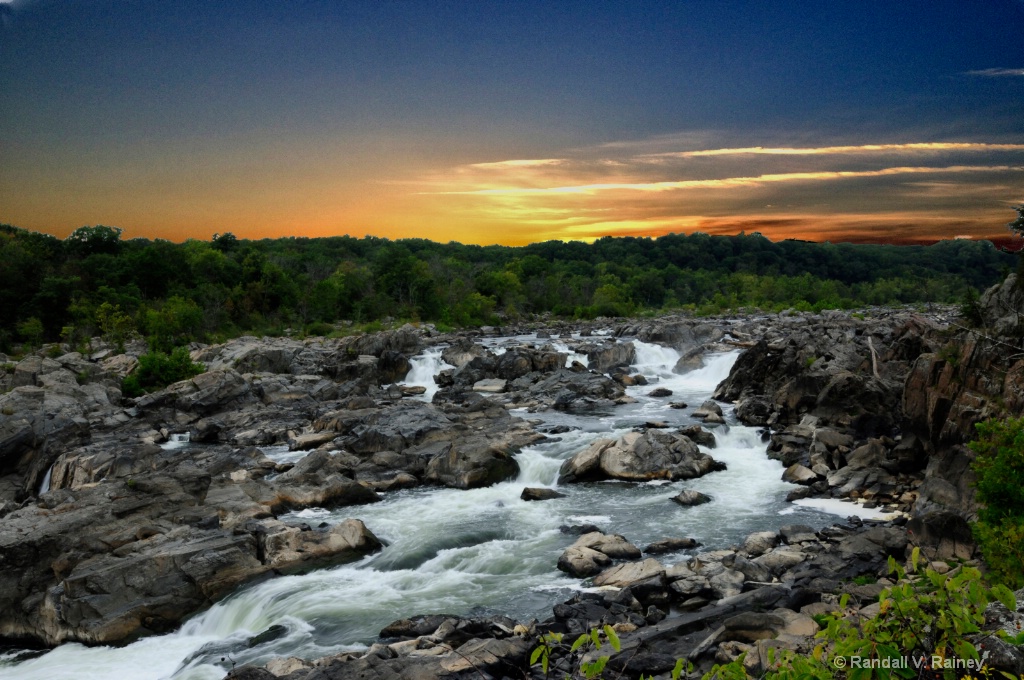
[639,456]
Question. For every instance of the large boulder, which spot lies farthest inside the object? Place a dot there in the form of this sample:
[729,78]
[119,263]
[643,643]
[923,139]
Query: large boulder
[636,456]
[472,463]
[605,357]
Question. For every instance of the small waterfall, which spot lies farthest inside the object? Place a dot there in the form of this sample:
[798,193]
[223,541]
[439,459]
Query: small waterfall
[176,440]
[45,486]
[716,369]
[573,356]
[424,367]
[654,361]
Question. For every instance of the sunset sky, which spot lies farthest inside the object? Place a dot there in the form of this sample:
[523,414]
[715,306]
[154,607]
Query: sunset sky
[513,121]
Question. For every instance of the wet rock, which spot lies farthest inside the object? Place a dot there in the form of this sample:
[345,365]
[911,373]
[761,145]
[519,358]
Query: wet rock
[540,494]
[490,385]
[288,549]
[760,542]
[605,357]
[462,352]
[707,409]
[698,435]
[612,545]
[660,392]
[667,545]
[624,575]
[798,474]
[636,456]
[689,498]
[581,562]
[797,533]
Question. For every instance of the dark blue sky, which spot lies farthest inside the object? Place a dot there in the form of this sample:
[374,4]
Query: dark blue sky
[181,118]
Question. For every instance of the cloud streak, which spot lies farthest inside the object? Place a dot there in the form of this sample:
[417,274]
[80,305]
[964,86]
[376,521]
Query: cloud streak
[733,182]
[998,73]
[842,150]
[910,191]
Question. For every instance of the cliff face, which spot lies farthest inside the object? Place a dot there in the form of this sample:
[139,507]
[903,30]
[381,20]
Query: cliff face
[975,375]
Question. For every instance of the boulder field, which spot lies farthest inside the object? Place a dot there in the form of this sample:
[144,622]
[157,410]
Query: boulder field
[132,534]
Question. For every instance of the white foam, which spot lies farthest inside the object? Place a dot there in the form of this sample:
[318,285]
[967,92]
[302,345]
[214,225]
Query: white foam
[424,367]
[45,486]
[836,506]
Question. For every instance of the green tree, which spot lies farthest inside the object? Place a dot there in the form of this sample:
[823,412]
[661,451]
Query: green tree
[177,321]
[86,241]
[156,370]
[999,467]
[116,326]
[31,331]
[1017,226]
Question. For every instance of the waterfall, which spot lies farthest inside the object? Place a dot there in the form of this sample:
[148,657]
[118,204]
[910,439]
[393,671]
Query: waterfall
[573,356]
[654,361]
[45,486]
[176,440]
[716,369]
[424,367]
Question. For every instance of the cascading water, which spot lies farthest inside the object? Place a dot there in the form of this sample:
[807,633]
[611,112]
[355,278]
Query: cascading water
[424,367]
[654,361]
[573,356]
[45,485]
[482,551]
[176,441]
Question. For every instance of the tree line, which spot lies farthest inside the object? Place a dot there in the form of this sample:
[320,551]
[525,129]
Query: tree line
[95,283]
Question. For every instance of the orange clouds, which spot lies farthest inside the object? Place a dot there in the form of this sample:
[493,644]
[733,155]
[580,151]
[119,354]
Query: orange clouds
[837,192]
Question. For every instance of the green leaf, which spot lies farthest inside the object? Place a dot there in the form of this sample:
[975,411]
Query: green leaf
[596,637]
[580,641]
[915,555]
[1005,596]
[536,655]
[613,639]
[677,670]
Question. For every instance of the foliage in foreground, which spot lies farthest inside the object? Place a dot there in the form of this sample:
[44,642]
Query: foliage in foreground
[156,370]
[999,467]
[924,618]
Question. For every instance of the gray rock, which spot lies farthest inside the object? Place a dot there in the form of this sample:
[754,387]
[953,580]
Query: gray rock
[624,575]
[636,456]
[689,497]
[540,494]
[797,533]
[760,542]
[490,385]
[798,474]
[667,545]
[580,561]
[612,545]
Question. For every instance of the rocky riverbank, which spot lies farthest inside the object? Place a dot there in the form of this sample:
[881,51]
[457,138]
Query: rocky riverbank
[132,534]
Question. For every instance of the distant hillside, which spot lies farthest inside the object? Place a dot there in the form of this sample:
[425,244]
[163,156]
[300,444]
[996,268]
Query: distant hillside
[93,282]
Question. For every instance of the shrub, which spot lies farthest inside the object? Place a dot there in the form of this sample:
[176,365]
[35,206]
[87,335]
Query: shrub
[922,617]
[999,467]
[156,370]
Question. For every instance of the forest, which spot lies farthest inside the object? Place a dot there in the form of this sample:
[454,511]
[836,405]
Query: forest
[95,283]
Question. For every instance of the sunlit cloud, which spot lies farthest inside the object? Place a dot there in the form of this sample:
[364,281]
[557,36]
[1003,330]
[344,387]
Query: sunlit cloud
[733,182]
[998,72]
[858,192]
[521,163]
[838,150]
